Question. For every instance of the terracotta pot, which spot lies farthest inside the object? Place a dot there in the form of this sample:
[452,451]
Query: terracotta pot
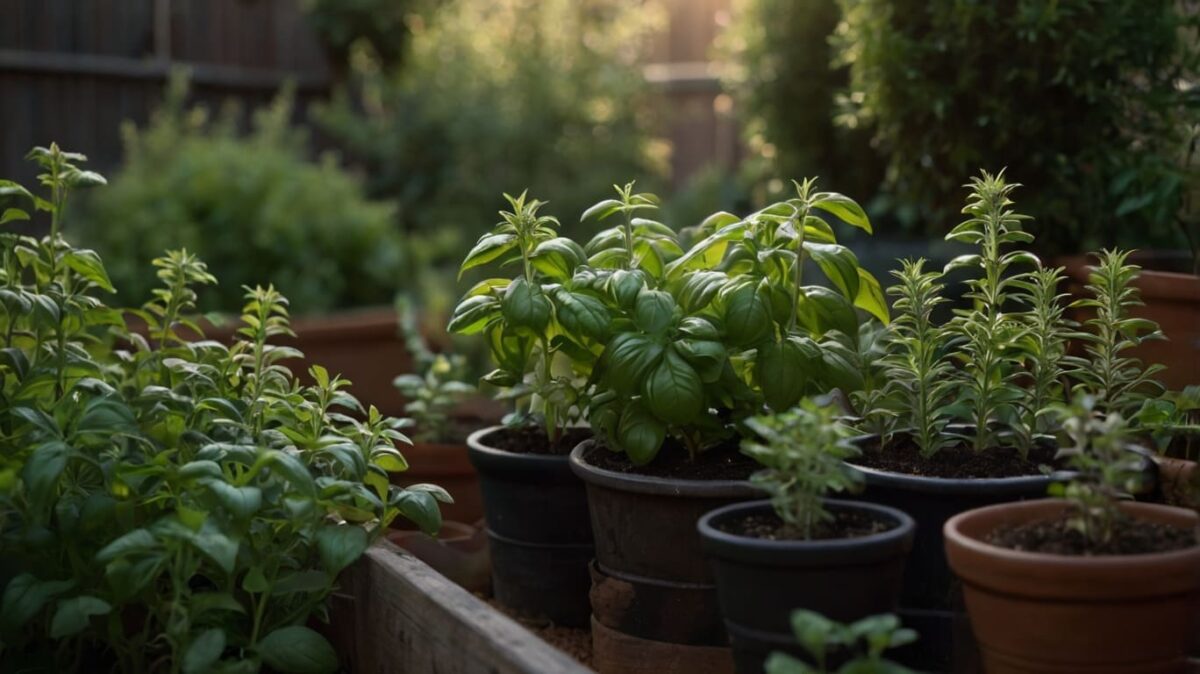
[538,531]
[760,581]
[651,580]
[614,652]
[448,466]
[458,552]
[1179,480]
[1035,612]
[1173,301]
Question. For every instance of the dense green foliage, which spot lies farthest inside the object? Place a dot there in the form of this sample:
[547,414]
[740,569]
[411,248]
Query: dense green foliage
[503,95]
[168,505]
[803,452]
[254,205]
[1086,99]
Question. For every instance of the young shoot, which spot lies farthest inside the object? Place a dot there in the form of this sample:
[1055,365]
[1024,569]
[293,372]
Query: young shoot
[1044,346]
[918,369]
[1095,447]
[864,642]
[803,452]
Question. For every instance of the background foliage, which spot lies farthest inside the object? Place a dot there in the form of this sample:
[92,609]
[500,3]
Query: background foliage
[252,204]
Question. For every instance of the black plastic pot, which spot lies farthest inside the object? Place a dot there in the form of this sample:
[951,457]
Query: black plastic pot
[652,580]
[760,582]
[538,530]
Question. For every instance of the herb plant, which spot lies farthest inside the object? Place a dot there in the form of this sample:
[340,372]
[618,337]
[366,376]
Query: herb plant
[1105,472]
[1044,345]
[434,392]
[988,335]
[1118,379]
[865,640]
[1173,422]
[168,505]
[528,320]
[804,453]
[919,370]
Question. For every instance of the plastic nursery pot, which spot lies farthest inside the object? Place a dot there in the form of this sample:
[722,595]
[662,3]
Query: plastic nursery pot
[448,466]
[760,581]
[538,531]
[651,580]
[1036,612]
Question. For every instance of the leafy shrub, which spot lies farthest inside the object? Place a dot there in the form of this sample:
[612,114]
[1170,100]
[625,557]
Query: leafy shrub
[168,505]
[253,205]
[1079,97]
[503,95]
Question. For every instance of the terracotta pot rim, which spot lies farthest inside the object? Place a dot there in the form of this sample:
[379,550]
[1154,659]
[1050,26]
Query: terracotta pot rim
[860,549]
[662,486]
[952,531]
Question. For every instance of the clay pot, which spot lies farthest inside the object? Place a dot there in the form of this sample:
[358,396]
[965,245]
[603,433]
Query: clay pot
[651,580]
[1178,480]
[458,552]
[1173,301]
[538,531]
[760,582]
[448,466]
[1035,612]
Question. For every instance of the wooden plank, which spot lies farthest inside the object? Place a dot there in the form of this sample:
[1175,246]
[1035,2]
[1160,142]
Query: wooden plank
[395,615]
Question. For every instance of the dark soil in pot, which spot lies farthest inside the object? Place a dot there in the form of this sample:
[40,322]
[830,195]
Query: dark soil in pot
[1094,612]
[538,526]
[851,569]
[652,581]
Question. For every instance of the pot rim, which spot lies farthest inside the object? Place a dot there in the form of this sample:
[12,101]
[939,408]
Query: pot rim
[535,469]
[663,486]
[952,531]
[476,445]
[861,549]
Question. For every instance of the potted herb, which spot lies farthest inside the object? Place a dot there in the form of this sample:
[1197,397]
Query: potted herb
[701,339]
[842,559]
[1172,422]
[858,646]
[543,329]
[170,504]
[433,395]
[966,406]
[1087,581]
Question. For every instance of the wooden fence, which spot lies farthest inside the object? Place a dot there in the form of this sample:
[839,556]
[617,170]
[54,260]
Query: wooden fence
[73,70]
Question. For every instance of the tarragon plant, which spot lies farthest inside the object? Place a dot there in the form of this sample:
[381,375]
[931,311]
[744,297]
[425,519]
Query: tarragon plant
[860,646]
[804,453]
[170,505]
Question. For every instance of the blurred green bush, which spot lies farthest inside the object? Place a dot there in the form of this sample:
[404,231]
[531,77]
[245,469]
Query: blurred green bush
[498,96]
[1086,101]
[253,206]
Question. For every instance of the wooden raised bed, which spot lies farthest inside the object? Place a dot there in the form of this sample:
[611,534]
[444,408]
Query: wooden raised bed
[394,614]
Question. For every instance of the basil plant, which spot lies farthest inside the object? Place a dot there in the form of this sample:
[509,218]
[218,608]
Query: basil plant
[170,504]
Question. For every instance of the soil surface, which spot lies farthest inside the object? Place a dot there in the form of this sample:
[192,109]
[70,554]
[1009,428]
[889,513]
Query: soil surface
[533,440]
[576,643]
[956,462]
[845,524]
[1056,536]
[723,462]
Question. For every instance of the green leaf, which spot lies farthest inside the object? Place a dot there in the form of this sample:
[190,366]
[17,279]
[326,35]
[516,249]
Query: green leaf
[87,264]
[557,258]
[138,540]
[601,210]
[488,248]
[473,314]
[782,663]
[582,315]
[674,391]
[781,371]
[204,651]
[74,614]
[747,319]
[420,508]
[297,650]
[340,545]
[625,286]
[308,581]
[242,502]
[525,306]
[707,356]
[870,297]
[13,215]
[41,471]
[654,311]
[844,208]
[293,470]
[24,597]
[822,310]
[630,358]
[707,253]
[839,265]
[640,435]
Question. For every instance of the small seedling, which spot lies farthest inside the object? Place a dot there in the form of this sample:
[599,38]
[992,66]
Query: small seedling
[863,643]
